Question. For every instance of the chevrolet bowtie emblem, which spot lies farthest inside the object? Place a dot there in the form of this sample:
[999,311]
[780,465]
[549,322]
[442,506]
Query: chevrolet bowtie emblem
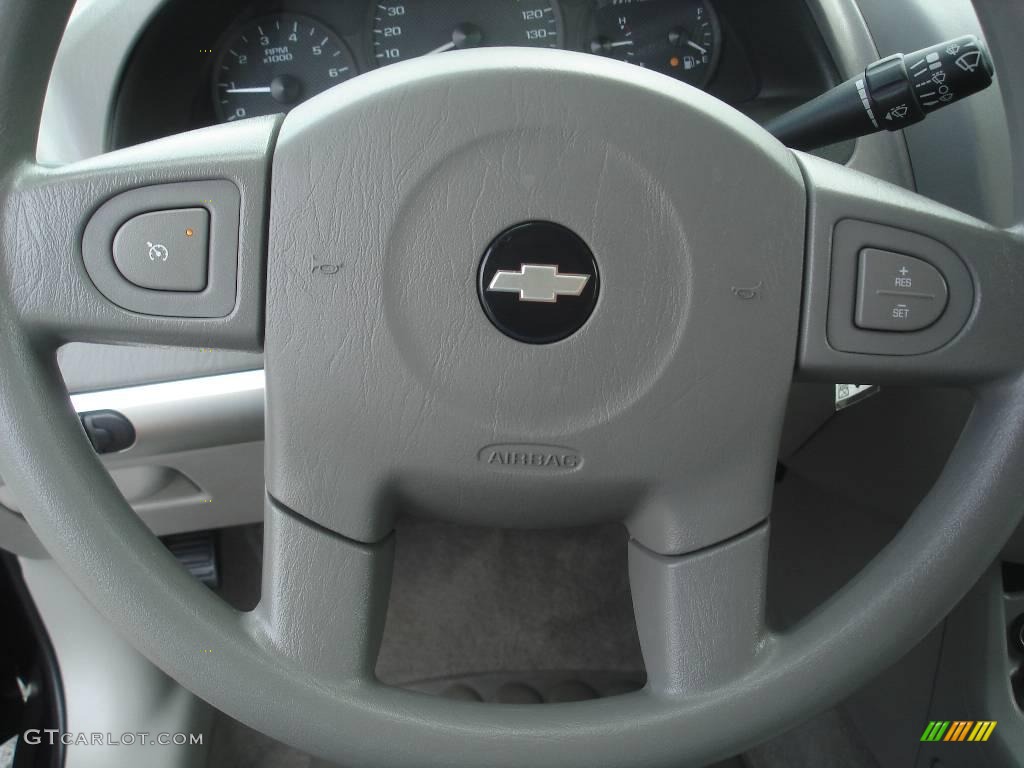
[538,282]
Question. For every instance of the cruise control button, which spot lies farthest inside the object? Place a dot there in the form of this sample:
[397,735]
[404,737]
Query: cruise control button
[896,292]
[165,250]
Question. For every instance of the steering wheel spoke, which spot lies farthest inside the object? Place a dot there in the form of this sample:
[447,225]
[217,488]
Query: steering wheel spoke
[324,596]
[62,228]
[700,616]
[901,289]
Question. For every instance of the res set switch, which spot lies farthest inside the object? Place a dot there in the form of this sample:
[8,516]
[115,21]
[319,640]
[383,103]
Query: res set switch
[896,292]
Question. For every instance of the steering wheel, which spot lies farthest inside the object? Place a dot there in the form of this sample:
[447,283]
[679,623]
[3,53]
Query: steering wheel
[362,220]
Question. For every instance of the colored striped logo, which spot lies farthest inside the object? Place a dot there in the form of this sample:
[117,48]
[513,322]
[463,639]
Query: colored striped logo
[958,730]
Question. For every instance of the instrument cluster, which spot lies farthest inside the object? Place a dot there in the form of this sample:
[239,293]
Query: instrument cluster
[196,63]
[269,62]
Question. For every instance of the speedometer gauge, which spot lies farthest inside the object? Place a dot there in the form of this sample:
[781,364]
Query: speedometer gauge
[273,63]
[403,29]
[675,37]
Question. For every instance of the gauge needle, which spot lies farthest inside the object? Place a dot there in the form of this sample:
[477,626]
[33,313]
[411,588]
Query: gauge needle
[620,43]
[264,89]
[442,48]
[692,44]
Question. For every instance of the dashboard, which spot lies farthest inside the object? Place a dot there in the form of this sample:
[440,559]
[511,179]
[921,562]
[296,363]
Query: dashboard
[199,63]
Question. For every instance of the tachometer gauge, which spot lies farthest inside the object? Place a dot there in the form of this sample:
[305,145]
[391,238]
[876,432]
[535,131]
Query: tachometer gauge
[273,63]
[403,29]
[675,37]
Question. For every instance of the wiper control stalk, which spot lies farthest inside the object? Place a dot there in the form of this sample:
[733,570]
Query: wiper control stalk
[891,94]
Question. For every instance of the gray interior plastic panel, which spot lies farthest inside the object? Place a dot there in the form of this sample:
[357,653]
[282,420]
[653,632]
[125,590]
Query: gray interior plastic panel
[109,687]
[191,466]
[187,414]
[93,367]
[86,76]
[1001,23]
[17,537]
[194,490]
[221,198]
[849,238]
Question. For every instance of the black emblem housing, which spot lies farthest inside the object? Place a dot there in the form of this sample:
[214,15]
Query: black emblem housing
[546,244]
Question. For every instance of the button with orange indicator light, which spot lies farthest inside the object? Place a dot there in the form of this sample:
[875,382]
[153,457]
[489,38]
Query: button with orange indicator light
[165,250]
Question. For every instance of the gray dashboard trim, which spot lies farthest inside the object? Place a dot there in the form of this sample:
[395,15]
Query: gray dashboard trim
[94,367]
[206,431]
[86,75]
[186,414]
[91,654]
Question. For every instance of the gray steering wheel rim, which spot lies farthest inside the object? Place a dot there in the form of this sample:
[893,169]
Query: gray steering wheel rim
[88,527]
